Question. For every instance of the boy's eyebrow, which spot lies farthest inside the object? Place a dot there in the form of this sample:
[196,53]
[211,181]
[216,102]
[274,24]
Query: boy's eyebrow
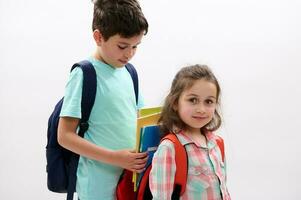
[125,43]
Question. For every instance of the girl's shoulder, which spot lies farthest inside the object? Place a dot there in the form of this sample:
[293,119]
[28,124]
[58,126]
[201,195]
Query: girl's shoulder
[165,147]
[167,144]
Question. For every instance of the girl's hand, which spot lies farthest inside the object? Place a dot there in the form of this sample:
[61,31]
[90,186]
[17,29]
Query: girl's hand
[130,160]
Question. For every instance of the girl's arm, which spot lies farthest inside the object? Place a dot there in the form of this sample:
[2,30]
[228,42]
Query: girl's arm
[68,138]
[161,178]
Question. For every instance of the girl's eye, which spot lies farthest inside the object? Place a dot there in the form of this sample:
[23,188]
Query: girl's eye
[193,100]
[209,101]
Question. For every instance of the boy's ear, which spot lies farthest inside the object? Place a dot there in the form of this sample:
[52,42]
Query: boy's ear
[97,37]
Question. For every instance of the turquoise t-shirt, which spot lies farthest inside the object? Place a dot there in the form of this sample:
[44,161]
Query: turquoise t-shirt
[112,125]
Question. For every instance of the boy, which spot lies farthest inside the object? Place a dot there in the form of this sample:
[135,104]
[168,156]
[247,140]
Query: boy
[118,28]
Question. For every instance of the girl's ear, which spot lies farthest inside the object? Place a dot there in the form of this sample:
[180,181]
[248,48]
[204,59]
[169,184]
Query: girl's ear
[175,107]
[98,37]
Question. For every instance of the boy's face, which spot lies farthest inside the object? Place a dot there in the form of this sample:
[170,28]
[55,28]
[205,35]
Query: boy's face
[116,51]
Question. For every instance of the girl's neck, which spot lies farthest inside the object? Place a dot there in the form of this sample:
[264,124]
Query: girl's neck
[198,137]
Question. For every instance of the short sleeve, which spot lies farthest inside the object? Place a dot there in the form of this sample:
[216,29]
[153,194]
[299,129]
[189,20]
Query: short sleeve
[73,94]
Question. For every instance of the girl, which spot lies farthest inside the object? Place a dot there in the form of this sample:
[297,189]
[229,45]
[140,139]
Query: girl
[190,112]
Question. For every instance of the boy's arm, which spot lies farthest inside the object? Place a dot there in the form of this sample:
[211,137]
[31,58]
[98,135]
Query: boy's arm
[68,138]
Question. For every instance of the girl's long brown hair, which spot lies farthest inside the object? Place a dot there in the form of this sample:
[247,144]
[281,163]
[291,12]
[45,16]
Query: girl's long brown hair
[184,79]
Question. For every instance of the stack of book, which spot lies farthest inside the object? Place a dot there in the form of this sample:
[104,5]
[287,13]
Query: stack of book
[147,136]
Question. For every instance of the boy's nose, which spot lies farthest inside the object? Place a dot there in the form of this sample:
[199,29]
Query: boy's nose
[129,54]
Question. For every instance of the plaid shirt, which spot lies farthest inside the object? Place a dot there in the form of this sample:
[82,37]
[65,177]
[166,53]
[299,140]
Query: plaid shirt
[206,177]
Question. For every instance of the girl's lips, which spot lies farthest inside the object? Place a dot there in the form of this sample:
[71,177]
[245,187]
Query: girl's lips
[198,117]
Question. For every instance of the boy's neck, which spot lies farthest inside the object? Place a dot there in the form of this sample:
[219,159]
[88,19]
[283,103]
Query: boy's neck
[98,57]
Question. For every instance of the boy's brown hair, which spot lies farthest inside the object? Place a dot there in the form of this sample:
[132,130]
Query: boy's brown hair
[123,17]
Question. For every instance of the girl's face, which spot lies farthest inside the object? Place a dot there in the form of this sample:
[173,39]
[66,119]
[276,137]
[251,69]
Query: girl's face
[197,104]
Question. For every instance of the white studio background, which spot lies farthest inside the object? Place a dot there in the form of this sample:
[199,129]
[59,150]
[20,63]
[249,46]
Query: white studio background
[254,47]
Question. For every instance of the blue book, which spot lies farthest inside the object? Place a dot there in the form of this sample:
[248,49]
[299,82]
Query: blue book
[150,139]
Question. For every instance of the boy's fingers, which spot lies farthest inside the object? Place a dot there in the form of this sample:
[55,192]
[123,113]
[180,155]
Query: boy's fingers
[141,161]
[144,159]
[139,167]
[142,155]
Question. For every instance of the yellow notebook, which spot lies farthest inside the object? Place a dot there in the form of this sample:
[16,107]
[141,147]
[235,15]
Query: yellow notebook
[149,111]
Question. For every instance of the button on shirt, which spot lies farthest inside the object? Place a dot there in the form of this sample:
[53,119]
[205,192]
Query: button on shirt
[206,177]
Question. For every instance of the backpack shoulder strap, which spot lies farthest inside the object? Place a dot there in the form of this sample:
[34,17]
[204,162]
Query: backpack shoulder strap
[88,93]
[131,69]
[88,98]
[220,143]
[181,164]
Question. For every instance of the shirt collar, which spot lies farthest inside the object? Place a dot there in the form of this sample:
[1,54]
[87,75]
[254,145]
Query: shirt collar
[185,139]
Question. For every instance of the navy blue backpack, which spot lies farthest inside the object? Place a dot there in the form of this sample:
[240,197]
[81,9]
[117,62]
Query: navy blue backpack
[61,163]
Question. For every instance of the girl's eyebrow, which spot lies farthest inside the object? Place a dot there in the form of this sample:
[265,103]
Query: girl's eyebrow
[195,95]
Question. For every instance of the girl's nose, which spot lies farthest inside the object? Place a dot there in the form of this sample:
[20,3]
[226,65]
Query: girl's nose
[200,109]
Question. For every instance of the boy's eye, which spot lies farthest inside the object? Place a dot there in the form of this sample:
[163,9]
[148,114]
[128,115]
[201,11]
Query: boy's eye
[121,47]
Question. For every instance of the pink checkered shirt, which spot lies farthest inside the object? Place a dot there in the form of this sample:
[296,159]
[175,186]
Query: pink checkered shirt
[206,178]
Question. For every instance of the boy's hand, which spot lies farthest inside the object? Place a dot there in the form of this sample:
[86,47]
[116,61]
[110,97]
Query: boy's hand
[130,160]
